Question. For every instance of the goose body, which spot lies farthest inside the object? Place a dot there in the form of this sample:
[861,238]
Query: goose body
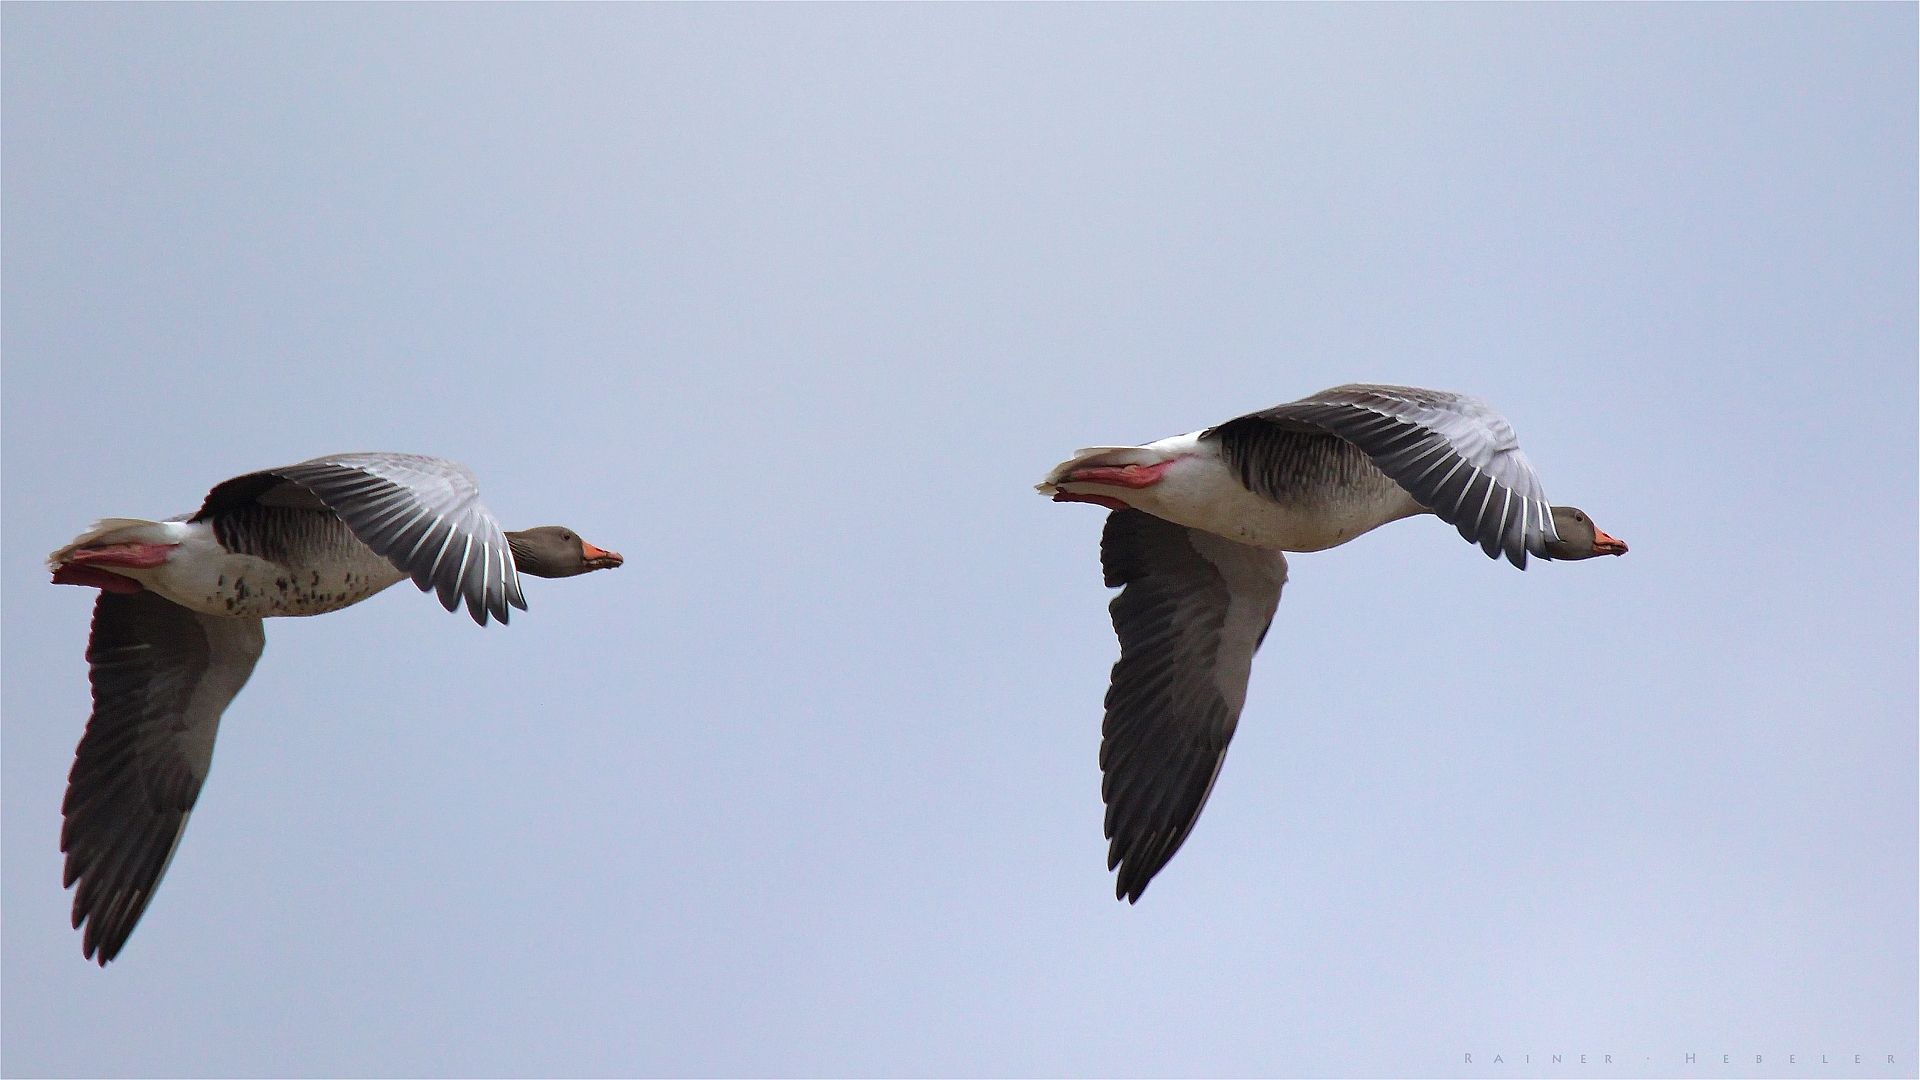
[178,627]
[1195,541]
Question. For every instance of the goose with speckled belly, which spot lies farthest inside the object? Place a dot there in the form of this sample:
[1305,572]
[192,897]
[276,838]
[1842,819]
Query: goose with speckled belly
[177,630]
[1195,539]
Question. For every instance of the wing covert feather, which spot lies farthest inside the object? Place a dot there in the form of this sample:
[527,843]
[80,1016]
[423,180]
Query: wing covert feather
[1451,452]
[423,514]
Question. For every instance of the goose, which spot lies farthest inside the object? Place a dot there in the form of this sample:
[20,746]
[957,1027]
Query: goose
[1195,540]
[177,630]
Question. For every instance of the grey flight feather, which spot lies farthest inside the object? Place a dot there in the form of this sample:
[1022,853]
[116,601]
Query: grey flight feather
[162,675]
[1193,610]
[422,514]
[1451,452]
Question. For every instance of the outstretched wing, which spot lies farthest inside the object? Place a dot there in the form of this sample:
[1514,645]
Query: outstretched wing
[1193,610]
[423,514]
[1452,453]
[162,675]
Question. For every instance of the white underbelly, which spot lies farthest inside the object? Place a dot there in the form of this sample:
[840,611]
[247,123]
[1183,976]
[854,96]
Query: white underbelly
[1199,492]
[201,576]
[1248,519]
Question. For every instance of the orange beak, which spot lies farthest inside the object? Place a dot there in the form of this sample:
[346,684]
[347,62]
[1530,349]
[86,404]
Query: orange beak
[1607,545]
[600,558]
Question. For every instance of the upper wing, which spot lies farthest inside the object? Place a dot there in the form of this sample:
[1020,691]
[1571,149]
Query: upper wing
[423,514]
[1194,609]
[1451,452]
[162,675]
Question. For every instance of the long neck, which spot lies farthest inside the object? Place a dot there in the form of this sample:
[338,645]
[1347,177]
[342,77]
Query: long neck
[538,553]
[524,559]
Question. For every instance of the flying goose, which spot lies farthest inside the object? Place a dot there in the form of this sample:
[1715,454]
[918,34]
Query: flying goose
[1195,539]
[177,629]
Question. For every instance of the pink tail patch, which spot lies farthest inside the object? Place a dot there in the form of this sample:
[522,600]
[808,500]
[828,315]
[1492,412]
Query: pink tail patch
[99,579]
[1126,476]
[137,556]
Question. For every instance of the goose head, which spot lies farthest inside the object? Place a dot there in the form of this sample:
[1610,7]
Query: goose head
[1580,538]
[552,551]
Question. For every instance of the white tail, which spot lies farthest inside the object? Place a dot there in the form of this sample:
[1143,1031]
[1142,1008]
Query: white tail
[114,531]
[1088,457]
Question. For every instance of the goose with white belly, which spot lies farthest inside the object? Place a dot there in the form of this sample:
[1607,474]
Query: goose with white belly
[177,630]
[1195,538]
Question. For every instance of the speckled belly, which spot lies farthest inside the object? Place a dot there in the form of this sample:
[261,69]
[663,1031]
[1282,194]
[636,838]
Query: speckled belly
[1246,518]
[268,590]
[309,578]
[1199,492]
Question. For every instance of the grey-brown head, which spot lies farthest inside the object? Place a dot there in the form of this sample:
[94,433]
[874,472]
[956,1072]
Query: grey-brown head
[1580,538]
[551,551]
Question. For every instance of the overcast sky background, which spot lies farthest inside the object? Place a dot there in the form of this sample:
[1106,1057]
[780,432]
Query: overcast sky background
[792,305]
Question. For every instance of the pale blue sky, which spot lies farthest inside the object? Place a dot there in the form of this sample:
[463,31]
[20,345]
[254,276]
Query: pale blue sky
[792,305]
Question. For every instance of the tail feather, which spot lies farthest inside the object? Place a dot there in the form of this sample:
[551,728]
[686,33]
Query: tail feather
[112,531]
[1090,456]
